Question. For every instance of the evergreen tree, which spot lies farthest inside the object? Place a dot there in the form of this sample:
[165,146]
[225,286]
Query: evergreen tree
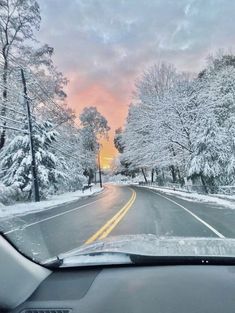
[16,160]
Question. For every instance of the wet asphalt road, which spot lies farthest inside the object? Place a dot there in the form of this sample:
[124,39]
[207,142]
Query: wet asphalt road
[118,210]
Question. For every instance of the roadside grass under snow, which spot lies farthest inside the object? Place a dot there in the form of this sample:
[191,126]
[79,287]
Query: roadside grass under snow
[30,207]
[221,201]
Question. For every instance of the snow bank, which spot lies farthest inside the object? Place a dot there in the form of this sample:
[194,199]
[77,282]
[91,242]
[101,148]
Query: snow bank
[29,207]
[227,202]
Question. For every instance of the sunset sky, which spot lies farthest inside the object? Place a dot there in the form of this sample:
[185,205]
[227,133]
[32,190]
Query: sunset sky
[103,46]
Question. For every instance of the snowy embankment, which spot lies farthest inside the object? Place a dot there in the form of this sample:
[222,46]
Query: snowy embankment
[30,207]
[221,201]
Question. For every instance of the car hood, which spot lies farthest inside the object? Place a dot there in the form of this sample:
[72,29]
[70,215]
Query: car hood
[147,244]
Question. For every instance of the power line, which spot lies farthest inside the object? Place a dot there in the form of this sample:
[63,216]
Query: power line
[35,79]
[9,89]
[63,152]
[11,120]
[8,107]
[13,110]
[60,141]
[37,82]
[14,128]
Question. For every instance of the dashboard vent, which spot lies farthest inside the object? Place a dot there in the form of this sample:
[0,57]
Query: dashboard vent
[46,311]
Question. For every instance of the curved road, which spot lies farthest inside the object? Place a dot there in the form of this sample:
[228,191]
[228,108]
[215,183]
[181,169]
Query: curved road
[118,210]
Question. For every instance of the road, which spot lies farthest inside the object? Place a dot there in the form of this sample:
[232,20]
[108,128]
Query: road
[118,210]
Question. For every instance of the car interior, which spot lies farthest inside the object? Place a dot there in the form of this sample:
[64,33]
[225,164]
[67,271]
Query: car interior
[28,287]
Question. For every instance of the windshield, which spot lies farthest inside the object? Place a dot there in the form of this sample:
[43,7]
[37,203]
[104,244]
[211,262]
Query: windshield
[117,129]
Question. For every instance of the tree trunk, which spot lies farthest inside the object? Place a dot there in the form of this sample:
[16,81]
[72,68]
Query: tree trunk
[143,172]
[90,176]
[173,173]
[163,176]
[178,173]
[4,95]
[152,175]
[3,136]
[203,183]
[180,178]
[156,171]
[89,179]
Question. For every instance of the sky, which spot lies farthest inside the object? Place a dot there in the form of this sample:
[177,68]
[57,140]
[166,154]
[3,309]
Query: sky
[103,46]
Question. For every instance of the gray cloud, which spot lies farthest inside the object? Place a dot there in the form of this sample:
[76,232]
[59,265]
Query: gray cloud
[110,42]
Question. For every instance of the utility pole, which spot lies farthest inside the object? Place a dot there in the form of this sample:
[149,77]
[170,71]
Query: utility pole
[31,143]
[100,176]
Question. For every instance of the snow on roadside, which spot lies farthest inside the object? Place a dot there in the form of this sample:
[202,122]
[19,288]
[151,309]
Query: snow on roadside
[30,207]
[227,202]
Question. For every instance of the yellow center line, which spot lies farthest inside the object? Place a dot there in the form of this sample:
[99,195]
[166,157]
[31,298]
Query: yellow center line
[109,226]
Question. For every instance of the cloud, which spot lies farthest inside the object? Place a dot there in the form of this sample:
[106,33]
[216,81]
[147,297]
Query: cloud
[103,39]
[103,45]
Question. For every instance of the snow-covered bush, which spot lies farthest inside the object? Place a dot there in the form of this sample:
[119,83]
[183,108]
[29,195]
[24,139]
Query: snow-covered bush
[9,195]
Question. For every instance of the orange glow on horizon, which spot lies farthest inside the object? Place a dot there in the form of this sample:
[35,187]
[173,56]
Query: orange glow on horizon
[107,153]
[108,105]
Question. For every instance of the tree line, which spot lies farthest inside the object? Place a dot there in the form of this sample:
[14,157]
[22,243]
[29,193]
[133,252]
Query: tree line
[65,147]
[182,126]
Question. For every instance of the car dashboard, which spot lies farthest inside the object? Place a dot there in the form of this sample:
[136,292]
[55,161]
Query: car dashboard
[149,289]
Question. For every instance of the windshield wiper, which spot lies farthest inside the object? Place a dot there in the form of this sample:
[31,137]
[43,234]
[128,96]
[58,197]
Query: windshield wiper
[119,258]
[53,263]
[89,259]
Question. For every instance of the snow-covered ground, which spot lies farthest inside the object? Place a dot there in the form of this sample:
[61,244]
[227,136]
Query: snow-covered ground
[222,201]
[29,207]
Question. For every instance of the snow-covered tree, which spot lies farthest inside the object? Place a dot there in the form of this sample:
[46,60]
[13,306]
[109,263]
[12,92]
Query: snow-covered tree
[120,165]
[16,161]
[18,20]
[69,150]
[94,126]
[215,128]
[63,150]
[146,143]
[184,125]
[118,143]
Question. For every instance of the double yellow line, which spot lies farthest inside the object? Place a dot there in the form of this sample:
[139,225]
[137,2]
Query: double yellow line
[109,226]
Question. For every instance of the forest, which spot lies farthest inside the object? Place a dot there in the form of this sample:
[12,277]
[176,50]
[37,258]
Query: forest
[44,148]
[181,126]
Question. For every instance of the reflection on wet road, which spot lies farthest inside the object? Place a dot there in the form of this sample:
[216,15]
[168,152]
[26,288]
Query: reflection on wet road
[119,210]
